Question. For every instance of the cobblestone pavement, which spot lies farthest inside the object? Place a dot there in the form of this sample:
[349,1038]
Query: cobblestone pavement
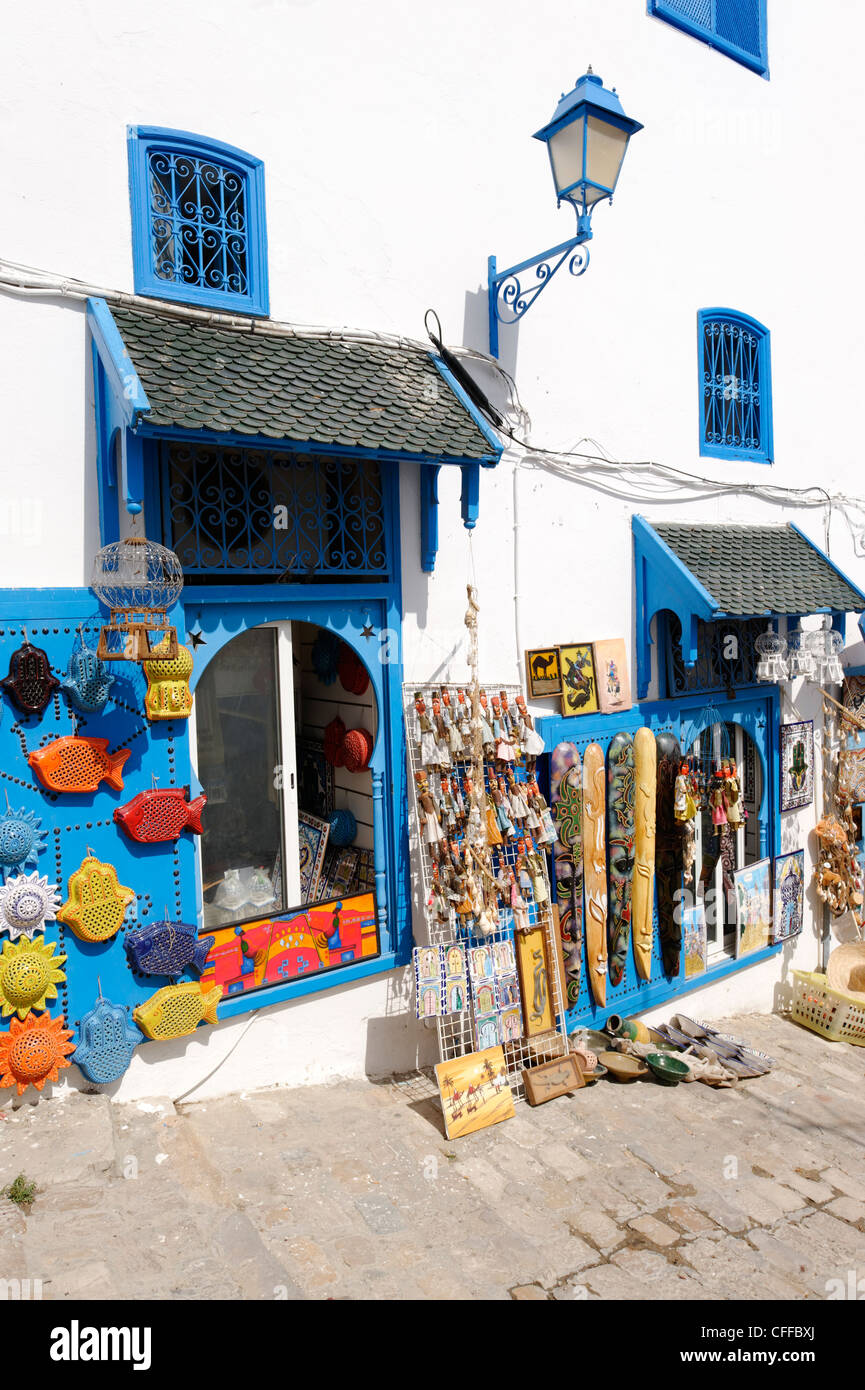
[351,1191]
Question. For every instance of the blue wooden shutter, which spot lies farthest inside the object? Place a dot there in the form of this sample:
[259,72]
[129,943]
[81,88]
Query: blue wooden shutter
[738,21]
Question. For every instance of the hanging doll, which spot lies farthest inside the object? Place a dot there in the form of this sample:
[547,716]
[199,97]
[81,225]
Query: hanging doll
[459,804]
[463,720]
[548,834]
[535,866]
[517,799]
[505,754]
[732,794]
[449,715]
[447,810]
[524,878]
[431,825]
[440,733]
[519,906]
[500,801]
[439,901]
[423,732]
[501,880]
[474,826]
[509,719]
[531,743]
[684,801]
[487,739]
[716,799]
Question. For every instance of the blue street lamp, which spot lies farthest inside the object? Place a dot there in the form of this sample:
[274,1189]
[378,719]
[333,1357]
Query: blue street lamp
[586,139]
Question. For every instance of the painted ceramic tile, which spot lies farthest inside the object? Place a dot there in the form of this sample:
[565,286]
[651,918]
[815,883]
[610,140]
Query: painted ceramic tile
[504,959]
[481,962]
[428,999]
[694,940]
[339,873]
[789,900]
[484,993]
[543,672]
[511,1024]
[474,1091]
[427,963]
[507,991]
[797,765]
[853,698]
[579,684]
[611,671]
[315,778]
[486,1030]
[312,842]
[754,907]
[455,962]
[455,996]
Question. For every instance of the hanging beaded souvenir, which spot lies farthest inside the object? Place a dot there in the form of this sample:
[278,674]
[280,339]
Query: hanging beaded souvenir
[97,903]
[87,680]
[20,838]
[29,975]
[153,816]
[176,1010]
[168,694]
[27,903]
[108,1038]
[166,948]
[34,1051]
[73,764]
[29,683]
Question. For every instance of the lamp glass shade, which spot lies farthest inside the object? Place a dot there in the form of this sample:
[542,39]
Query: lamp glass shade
[605,150]
[566,155]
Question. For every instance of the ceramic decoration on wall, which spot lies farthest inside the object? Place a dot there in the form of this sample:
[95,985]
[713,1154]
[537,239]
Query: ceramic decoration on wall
[97,902]
[30,683]
[695,941]
[34,1052]
[621,796]
[168,694]
[29,975]
[643,889]
[474,1091]
[611,671]
[668,851]
[789,896]
[167,948]
[754,907]
[543,672]
[154,816]
[595,867]
[579,685]
[797,765]
[27,902]
[176,1010]
[87,680]
[77,764]
[21,839]
[312,836]
[107,1040]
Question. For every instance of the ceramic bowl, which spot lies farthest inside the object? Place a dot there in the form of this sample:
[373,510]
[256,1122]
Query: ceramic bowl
[590,1077]
[666,1069]
[623,1067]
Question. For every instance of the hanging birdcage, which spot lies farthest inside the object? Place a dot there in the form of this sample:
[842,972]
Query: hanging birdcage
[802,663]
[138,581]
[825,646]
[772,650]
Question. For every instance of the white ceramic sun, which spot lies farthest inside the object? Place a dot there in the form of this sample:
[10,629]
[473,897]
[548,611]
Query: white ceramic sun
[27,902]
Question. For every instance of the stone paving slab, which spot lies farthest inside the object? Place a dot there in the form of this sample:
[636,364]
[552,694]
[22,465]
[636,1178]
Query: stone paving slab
[352,1191]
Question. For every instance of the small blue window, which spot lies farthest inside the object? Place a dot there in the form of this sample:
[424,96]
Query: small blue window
[198,221]
[735,386]
[734,27]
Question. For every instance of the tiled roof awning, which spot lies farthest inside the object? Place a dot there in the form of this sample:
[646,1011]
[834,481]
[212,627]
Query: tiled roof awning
[710,572]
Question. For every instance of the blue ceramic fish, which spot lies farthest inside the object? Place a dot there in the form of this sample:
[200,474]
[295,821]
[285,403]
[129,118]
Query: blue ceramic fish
[166,948]
[107,1040]
[87,681]
[21,840]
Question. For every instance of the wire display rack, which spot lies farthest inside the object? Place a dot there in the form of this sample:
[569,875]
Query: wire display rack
[456,1031]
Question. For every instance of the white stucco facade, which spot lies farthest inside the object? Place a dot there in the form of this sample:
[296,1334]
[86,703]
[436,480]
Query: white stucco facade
[398,154]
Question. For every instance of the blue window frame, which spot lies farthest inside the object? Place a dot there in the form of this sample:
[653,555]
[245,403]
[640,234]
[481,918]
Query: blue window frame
[735,374]
[198,221]
[735,27]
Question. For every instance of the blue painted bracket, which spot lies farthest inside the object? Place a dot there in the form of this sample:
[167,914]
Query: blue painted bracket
[470,495]
[507,298]
[121,405]
[662,581]
[429,516]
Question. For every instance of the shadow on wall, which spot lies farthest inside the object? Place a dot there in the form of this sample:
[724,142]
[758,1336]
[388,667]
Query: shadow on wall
[397,1042]
[476,333]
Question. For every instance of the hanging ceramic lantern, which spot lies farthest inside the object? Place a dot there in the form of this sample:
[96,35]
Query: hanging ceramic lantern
[825,645]
[97,903]
[138,581]
[771,648]
[34,1051]
[353,675]
[21,840]
[30,683]
[154,816]
[107,1040]
[176,1010]
[357,750]
[77,764]
[166,948]
[168,694]
[26,904]
[802,664]
[29,975]
[87,680]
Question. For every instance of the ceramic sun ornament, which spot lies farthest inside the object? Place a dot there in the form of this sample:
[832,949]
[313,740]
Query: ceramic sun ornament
[21,840]
[34,1051]
[108,1038]
[168,694]
[29,975]
[97,903]
[26,904]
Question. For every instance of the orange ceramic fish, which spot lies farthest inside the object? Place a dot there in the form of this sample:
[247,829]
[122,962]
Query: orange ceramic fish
[73,764]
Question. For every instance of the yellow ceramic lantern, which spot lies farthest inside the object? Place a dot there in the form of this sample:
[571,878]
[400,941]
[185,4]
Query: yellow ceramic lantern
[97,903]
[168,694]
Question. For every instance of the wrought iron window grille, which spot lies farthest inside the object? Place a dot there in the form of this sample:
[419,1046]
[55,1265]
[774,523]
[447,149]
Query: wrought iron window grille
[735,387]
[726,659]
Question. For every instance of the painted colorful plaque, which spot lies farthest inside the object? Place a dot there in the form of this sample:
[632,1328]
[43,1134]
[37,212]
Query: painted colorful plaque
[797,765]
[566,794]
[621,794]
[754,907]
[595,868]
[533,970]
[322,937]
[312,836]
[693,931]
[579,686]
[611,672]
[428,981]
[668,851]
[643,889]
[789,897]
[543,672]
[474,1091]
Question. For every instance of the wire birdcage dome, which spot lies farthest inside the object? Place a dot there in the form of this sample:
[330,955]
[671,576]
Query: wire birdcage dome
[136,575]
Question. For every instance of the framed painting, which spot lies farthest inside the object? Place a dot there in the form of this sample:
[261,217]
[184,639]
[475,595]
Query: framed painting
[557,1077]
[579,683]
[474,1091]
[694,940]
[543,672]
[797,765]
[533,971]
[312,836]
[753,907]
[611,673]
[788,908]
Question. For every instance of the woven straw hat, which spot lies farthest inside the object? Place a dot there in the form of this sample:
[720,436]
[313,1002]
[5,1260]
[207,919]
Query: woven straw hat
[846,969]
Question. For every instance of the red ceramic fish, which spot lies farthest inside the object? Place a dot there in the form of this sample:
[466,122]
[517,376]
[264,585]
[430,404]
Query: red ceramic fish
[160,815]
[74,764]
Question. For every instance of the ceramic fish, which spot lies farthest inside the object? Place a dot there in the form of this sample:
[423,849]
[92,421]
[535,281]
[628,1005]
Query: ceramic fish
[87,681]
[166,948]
[20,839]
[97,903]
[73,764]
[176,1010]
[168,694]
[30,683]
[107,1040]
[152,816]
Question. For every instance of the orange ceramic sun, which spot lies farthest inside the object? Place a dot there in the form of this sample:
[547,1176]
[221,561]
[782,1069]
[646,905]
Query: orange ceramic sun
[34,1051]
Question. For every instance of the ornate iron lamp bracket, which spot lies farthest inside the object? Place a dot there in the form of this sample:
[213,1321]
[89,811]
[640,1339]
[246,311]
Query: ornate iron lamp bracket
[510,296]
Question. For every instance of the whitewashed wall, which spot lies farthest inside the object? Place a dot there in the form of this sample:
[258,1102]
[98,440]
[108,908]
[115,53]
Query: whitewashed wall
[398,155]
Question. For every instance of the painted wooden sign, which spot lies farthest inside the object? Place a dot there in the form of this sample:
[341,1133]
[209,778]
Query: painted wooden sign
[668,851]
[643,893]
[554,1078]
[534,973]
[543,672]
[579,686]
[567,798]
[620,828]
[595,868]
[611,672]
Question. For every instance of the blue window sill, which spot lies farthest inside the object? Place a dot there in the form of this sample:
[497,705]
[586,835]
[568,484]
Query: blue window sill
[298,989]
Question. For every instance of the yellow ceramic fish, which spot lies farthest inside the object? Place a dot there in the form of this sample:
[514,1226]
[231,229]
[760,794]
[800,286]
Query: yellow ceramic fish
[97,903]
[168,694]
[176,1010]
